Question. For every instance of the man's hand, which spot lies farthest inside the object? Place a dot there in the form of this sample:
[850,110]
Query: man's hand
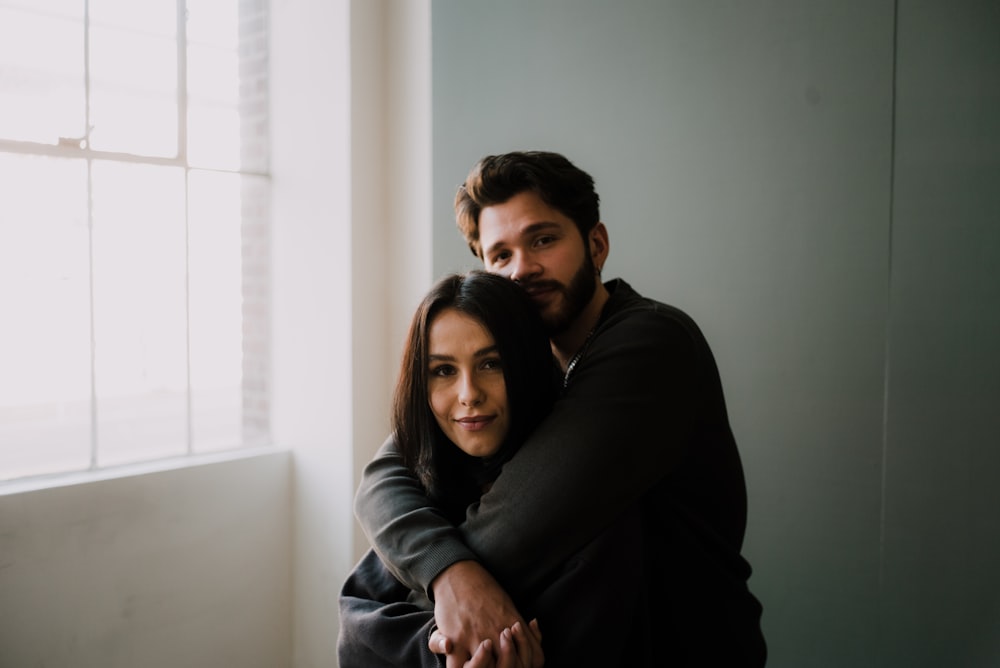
[518,649]
[470,607]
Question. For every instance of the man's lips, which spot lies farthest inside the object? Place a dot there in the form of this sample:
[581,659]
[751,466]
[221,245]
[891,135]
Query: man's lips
[475,423]
[540,290]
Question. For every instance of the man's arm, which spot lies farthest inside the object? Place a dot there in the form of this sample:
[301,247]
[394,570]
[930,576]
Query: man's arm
[470,607]
[623,426]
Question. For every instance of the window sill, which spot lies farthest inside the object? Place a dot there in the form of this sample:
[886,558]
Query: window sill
[53,480]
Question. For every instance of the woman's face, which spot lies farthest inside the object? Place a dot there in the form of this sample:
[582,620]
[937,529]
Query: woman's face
[466,388]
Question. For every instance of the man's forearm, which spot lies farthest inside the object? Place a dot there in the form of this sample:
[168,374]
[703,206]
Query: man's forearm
[470,606]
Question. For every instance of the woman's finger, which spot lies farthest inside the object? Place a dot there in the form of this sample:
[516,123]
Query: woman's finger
[528,643]
[438,643]
[483,658]
[508,654]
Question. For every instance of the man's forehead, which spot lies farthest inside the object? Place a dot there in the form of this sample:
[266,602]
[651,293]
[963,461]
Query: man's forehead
[522,227]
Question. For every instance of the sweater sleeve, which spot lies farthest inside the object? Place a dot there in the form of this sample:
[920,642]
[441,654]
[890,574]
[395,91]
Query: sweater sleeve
[408,532]
[623,425]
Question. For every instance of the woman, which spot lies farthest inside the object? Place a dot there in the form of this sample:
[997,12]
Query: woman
[476,377]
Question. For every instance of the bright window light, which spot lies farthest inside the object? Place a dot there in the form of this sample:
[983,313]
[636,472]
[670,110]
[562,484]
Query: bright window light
[133,231]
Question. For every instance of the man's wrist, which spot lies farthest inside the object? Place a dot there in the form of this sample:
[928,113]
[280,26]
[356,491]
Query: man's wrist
[447,576]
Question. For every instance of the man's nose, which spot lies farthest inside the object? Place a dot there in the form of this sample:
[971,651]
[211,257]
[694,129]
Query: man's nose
[523,267]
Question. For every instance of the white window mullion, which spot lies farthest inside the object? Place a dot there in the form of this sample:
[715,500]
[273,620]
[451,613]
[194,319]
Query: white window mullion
[187,310]
[182,142]
[94,436]
[93,334]
[182,96]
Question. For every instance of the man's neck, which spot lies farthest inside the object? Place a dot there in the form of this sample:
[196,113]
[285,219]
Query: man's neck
[569,342]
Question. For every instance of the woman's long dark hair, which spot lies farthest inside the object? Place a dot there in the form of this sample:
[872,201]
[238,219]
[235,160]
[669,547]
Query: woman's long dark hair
[526,358]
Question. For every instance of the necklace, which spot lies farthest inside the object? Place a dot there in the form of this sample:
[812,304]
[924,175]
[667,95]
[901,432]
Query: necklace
[577,356]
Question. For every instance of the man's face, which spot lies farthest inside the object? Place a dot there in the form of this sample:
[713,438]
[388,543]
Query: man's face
[538,247]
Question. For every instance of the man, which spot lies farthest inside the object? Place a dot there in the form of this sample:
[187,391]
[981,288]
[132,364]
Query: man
[642,424]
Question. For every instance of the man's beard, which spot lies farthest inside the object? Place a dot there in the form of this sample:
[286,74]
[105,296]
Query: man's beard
[575,298]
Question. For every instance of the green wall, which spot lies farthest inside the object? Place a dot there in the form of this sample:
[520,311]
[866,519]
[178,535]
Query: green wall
[816,183]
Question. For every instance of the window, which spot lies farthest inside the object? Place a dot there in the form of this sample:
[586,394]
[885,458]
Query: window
[133,231]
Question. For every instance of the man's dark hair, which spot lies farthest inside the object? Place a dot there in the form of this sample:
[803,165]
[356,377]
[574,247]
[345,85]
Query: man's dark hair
[497,178]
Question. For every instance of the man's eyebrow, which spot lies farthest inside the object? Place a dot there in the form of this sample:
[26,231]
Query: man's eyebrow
[533,228]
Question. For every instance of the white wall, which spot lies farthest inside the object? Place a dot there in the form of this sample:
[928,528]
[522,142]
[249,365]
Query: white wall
[183,567]
[311,328]
[744,153]
[391,203]
[351,159]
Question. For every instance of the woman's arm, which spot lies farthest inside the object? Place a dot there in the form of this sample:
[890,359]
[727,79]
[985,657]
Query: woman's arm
[410,534]
[425,551]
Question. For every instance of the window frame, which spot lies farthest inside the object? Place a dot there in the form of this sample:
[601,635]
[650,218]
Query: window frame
[79,149]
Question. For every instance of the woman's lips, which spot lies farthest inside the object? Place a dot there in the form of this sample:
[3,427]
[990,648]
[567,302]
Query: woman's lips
[476,423]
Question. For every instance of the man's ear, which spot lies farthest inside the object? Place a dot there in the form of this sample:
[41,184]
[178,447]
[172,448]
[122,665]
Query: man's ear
[599,245]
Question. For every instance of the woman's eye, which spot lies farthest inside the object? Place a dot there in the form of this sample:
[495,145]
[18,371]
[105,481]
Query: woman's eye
[492,363]
[443,370]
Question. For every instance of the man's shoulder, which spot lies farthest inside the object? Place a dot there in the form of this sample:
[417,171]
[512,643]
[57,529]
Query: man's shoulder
[628,309]
[639,338]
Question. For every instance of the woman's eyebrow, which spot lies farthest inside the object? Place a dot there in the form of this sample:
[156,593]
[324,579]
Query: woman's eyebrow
[482,352]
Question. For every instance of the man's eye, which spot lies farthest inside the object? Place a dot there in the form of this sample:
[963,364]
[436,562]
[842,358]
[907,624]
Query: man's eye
[500,258]
[545,240]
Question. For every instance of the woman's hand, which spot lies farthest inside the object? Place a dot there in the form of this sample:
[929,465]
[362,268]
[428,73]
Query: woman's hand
[521,647]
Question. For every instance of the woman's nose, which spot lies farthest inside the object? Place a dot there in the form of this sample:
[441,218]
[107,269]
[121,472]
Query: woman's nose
[469,393]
